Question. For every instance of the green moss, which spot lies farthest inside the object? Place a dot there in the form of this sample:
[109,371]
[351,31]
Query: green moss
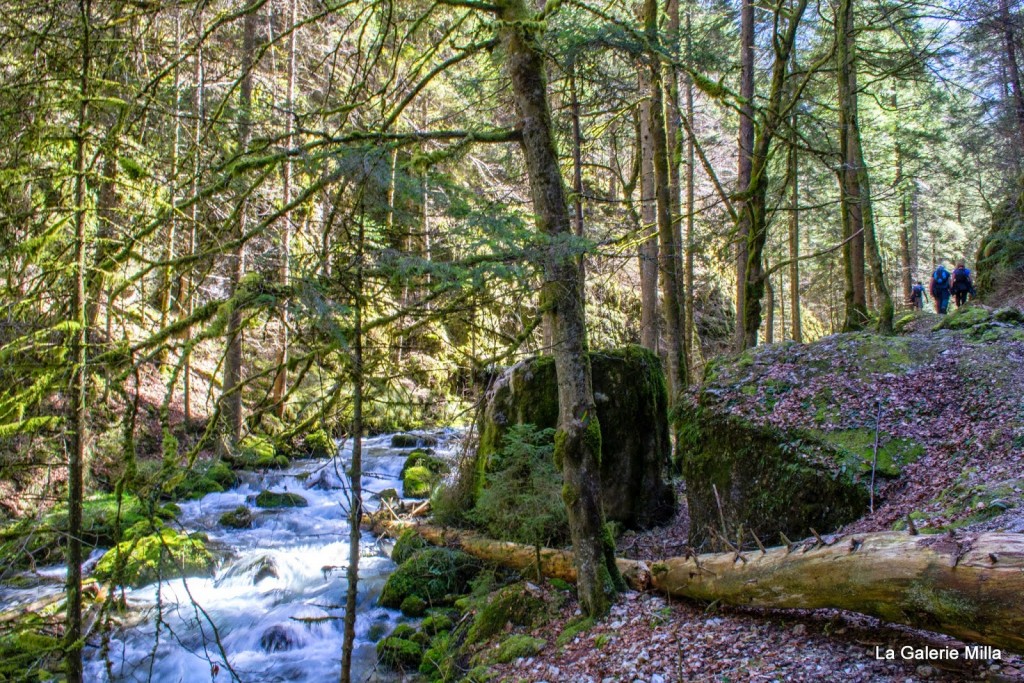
[376,631]
[479,674]
[573,628]
[559,449]
[421,458]
[408,543]
[515,647]
[273,499]
[440,661]
[404,631]
[239,518]
[28,652]
[163,555]
[319,444]
[855,450]
[433,574]
[513,604]
[417,481]
[399,653]
[254,452]
[413,606]
[942,607]
[965,317]
[436,623]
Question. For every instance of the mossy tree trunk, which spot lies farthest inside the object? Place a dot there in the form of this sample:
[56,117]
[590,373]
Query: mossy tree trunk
[578,437]
[855,184]
[970,587]
[79,379]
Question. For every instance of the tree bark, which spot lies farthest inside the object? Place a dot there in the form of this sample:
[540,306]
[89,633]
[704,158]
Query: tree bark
[1010,44]
[669,245]
[794,242]
[853,234]
[79,377]
[691,211]
[744,172]
[578,436]
[231,398]
[647,250]
[281,379]
[970,587]
[856,186]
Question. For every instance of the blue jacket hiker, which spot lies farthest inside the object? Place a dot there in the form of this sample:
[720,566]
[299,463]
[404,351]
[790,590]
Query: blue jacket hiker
[940,289]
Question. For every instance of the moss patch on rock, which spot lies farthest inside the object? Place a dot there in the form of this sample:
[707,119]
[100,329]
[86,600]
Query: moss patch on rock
[515,604]
[239,518]
[163,555]
[274,499]
[399,653]
[767,480]
[631,398]
[407,544]
[514,647]
[417,482]
[435,575]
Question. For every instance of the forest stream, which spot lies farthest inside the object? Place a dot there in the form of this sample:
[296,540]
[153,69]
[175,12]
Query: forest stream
[275,602]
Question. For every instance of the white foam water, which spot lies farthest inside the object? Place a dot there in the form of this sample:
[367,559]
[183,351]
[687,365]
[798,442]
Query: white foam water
[273,611]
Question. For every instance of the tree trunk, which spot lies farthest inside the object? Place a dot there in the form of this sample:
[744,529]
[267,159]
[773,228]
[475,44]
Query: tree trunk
[970,587]
[849,189]
[281,379]
[669,246]
[77,400]
[745,165]
[856,185]
[231,398]
[691,210]
[356,468]
[769,318]
[647,250]
[794,242]
[578,436]
[187,284]
[1010,44]
[674,139]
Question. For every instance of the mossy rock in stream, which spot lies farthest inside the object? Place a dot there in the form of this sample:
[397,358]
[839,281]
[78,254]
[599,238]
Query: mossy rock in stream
[239,518]
[319,444]
[417,482]
[435,575]
[768,480]
[274,499]
[631,398]
[425,458]
[163,555]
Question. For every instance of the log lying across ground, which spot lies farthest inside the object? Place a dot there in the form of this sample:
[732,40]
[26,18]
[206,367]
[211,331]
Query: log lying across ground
[967,586]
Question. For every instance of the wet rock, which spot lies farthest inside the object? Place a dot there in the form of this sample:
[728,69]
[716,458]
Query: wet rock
[279,638]
[239,518]
[412,440]
[265,568]
[273,499]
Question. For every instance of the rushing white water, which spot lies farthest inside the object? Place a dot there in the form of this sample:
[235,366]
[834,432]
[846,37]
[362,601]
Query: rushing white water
[274,610]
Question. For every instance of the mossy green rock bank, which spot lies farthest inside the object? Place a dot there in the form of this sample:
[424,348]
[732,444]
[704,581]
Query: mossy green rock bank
[629,389]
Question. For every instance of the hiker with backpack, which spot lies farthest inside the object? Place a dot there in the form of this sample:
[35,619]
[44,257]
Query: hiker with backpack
[917,296]
[940,289]
[961,284]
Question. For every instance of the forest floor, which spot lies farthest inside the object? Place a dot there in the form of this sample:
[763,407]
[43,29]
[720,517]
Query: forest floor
[964,406]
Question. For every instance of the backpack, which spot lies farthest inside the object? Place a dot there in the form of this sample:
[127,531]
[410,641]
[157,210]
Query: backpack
[916,291]
[941,278]
[961,280]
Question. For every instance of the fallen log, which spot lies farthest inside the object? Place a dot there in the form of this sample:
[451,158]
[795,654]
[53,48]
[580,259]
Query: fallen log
[970,587]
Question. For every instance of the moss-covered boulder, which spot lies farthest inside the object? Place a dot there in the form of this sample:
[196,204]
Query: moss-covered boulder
[629,389]
[319,444]
[518,604]
[239,518]
[163,555]
[417,482]
[514,647]
[408,543]
[435,575]
[275,499]
[763,478]
[399,653]
[1000,258]
[257,452]
[413,441]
